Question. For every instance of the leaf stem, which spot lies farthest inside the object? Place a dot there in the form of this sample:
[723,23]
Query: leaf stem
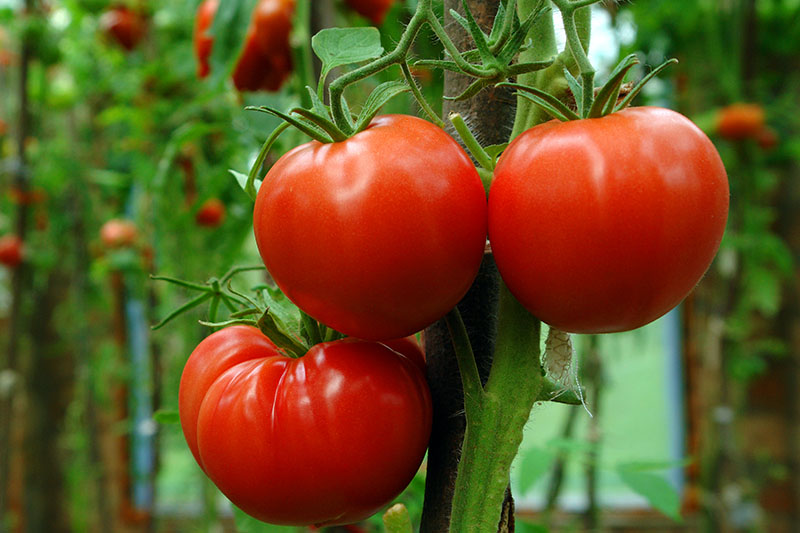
[471,142]
[473,390]
[423,103]
[587,71]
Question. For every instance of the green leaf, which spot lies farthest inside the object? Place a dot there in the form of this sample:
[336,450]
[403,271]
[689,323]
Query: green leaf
[241,179]
[534,465]
[229,29]
[343,46]
[247,524]
[164,416]
[282,308]
[276,330]
[379,96]
[576,89]
[494,150]
[655,489]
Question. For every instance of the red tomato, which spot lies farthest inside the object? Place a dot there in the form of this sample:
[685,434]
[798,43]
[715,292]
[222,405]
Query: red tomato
[374,10]
[118,233]
[604,225]
[266,59]
[126,27]
[211,213]
[377,236]
[740,121]
[11,251]
[328,438]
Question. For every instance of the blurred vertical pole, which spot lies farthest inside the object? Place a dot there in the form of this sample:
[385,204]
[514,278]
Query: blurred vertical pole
[9,364]
[490,115]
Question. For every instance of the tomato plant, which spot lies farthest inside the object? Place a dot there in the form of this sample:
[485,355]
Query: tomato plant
[266,60]
[211,213]
[374,10]
[124,26]
[118,233]
[377,236]
[604,225]
[740,121]
[326,438]
[11,251]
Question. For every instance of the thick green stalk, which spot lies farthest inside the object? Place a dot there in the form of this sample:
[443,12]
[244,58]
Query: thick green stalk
[495,426]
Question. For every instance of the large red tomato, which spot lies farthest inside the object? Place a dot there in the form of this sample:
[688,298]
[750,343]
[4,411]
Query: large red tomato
[377,236]
[328,438]
[266,59]
[374,10]
[605,224]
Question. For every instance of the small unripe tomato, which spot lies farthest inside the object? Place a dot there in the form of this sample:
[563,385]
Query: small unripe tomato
[118,233]
[211,213]
[11,251]
[740,121]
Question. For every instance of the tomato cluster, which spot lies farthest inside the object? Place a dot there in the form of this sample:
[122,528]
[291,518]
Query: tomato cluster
[328,438]
[266,60]
[124,26]
[11,251]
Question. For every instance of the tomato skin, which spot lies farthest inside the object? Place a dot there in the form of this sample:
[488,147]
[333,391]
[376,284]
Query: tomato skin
[377,236]
[125,26]
[410,347]
[328,438]
[604,225]
[266,60]
[211,213]
[374,10]
[11,251]
[118,233]
[740,121]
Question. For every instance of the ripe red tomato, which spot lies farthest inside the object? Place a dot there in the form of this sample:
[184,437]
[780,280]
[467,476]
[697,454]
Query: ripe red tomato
[410,347]
[211,213]
[377,236]
[740,121]
[125,26]
[266,59]
[604,225]
[118,233]
[11,251]
[328,438]
[374,10]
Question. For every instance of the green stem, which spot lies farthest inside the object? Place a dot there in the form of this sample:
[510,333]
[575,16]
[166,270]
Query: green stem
[543,36]
[336,89]
[494,430]
[471,142]
[312,329]
[576,47]
[423,103]
[470,378]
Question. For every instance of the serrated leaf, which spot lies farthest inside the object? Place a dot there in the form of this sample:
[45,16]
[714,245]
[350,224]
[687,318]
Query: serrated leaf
[228,30]
[655,489]
[534,465]
[343,46]
[379,96]
[164,416]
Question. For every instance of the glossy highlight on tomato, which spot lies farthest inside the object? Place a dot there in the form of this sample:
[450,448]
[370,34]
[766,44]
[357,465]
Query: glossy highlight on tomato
[377,236]
[328,438]
[604,225]
[266,59]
